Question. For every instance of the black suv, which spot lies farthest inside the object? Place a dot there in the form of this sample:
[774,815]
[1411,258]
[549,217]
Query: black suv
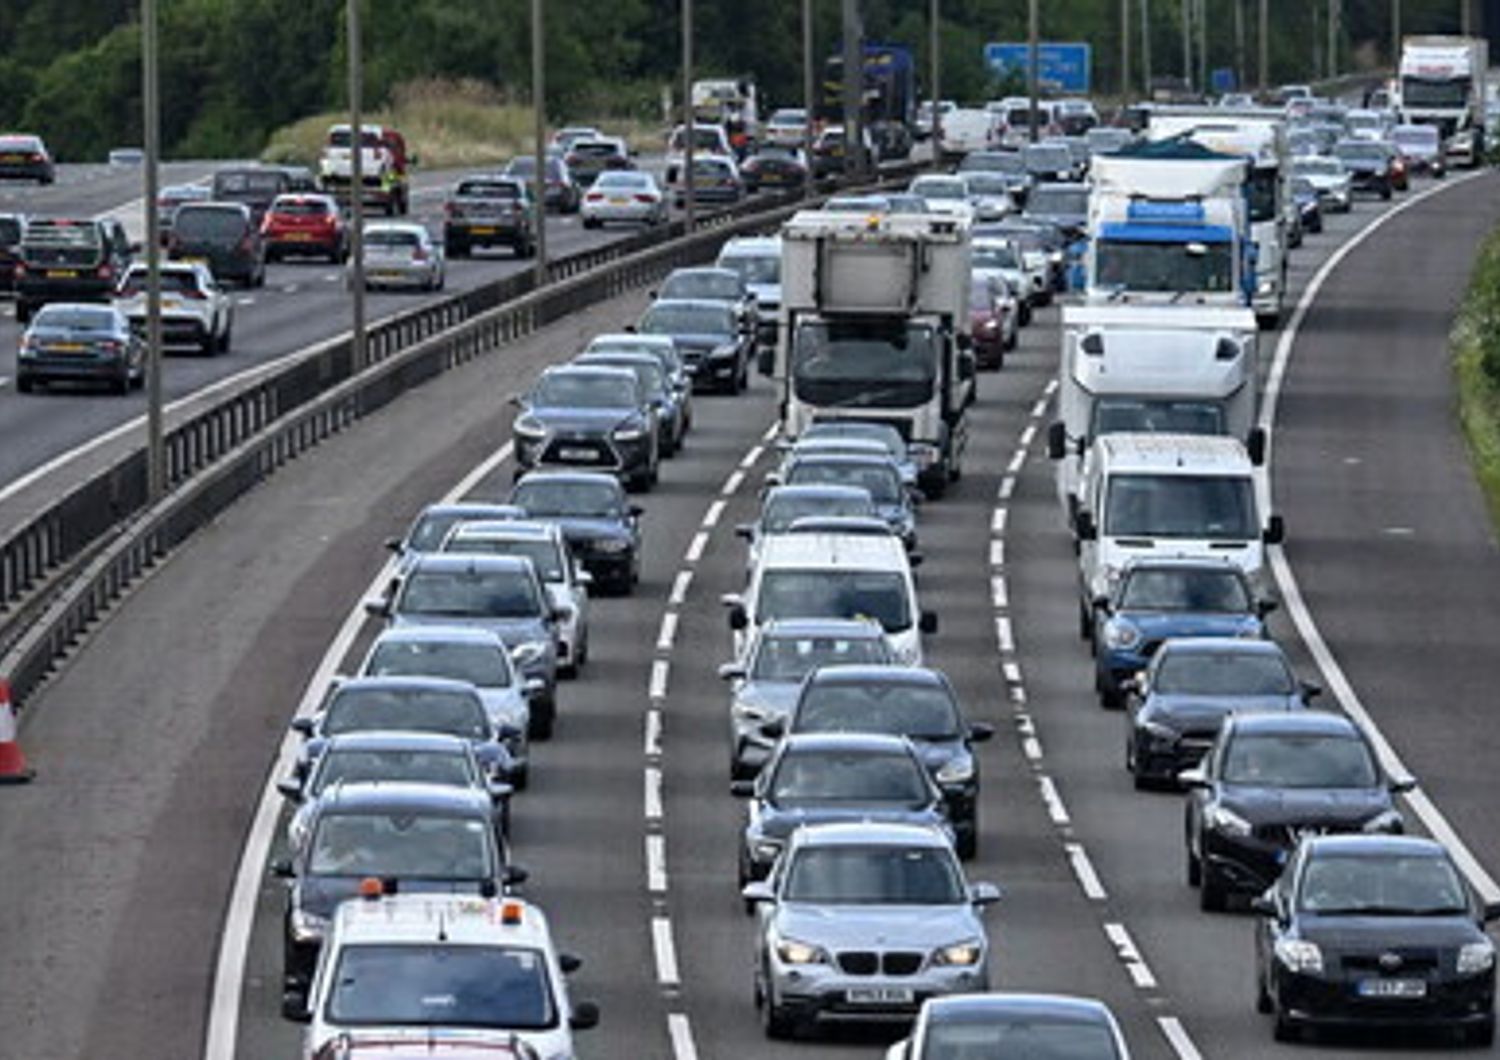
[69,260]
[487,212]
[592,417]
[224,236]
[12,228]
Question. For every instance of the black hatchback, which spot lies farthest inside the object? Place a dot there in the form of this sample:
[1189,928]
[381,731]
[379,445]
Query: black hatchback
[1374,931]
[224,236]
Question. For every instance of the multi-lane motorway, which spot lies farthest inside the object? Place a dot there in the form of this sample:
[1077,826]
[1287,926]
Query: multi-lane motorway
[155,743]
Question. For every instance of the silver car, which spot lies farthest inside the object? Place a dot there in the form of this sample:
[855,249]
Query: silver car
[567,583]
[1334,184]
[784,505]
[1034,1026]
[401,254]
[764,687]
[627,196]
[463,654]
[862,922]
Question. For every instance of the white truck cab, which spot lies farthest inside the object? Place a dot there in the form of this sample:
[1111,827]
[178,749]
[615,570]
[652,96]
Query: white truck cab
[1152,369]
[831,575]
[458,969]
[1166,495]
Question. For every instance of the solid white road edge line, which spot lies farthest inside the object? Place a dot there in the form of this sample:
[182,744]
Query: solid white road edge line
[1333,674]
[223,1030]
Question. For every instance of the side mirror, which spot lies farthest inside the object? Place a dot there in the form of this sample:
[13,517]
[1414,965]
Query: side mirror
[533,687]
[981,732]
[515,875]
[378,608]
[1057,440]
[963,340]
[583,578]
[282,869]
[290,790]
[393,544]
[1083,526]
[1491,911]
[775,728]
[569,962]
[758,891]
[1402,785]
[1275,532]
[515,401]
[585,1016]
[1265,607]
[630,328]
[303,725]
[900,1050]
[1255,446]
[742,789]
[928,622]
[982,894]
[745,531]
[914,559]
[738,619]
[966,366]
[1264,904]
[500,792]
[1101,603]
[1193,778]
[636,511]
[773,478]
[1310,690]
[732,671]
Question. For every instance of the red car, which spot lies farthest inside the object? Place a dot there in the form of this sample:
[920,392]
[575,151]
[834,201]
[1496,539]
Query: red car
[305,224]
[992,322]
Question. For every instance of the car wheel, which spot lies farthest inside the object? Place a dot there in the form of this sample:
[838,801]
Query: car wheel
[967,839]
[225,338]
[1213,896]
[209,342]
[591,222]
[24,384]
[1284,1030]
[543,720]
[1085,623]
[1194,867]
[121,383]
[1483,1035]
[520,780]
[23,312]
[1024,316]
[455,249]
[774,1020]
[1262,996]
[1110,697]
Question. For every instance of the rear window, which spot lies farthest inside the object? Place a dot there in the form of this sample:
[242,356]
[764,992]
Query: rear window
[80,318]
[595,149]
[488,189]
[390,237]
[301,207]
[10,231]
[62,234]
[173,281]
[192,223]
[20,143]
[240,183]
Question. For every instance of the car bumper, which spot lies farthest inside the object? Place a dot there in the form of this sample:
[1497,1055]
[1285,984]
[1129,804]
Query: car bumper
[25,171]
[38,290]
[713,370]
[1311,1000]
[303,244]
[1160,760]
[385,276]
[1373,182]
[176,330]
[637,213]
[79,366]
[483,235]
[821,993]
[595,454]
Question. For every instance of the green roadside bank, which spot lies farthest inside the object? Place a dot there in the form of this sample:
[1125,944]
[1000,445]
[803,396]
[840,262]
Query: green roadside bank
[1476,361]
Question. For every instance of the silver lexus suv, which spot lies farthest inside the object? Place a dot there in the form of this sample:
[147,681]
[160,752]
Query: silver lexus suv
[863,922]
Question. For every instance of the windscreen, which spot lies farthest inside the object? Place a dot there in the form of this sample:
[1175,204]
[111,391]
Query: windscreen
[1184,589]
[1223,673]
[755,268]
[1440,95]
[1210,507]
[783,509]
[483,665]
[1048,158]
[192,223]
[392,237]
[710,285]
[301,208]
[581,390]
[883,482]
[864,363]
[854,875]
[1263,189]
[1019,1035]
[1156,416]
[543,553]
[75,318]
[1059,202]
[989,255]
[173,281]
[939,188]
[246,186]
[835,594]
[566,498]
[895,708]
[986,184]
[488,189]
[1296,760]
[843,776]
[341,766]
[438,984]
[1195,268]
[377,844]
[406,710]
[793,658]
[470,593]
[665,319]
[1393,885]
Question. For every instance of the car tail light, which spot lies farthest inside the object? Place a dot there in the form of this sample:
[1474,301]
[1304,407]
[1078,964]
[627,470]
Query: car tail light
[595,196]
[106,271]
[648,199]
[112,345]
[195,294]
[419,254]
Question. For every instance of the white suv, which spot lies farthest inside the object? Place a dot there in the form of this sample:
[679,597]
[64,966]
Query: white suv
[194,308]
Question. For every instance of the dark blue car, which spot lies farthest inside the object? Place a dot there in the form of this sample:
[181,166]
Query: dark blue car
[1160,599]
[601,526]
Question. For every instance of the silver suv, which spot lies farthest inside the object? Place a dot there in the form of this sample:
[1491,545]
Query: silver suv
[862,922]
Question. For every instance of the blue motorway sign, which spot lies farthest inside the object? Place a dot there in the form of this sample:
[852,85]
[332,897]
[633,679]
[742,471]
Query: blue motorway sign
[1060,67]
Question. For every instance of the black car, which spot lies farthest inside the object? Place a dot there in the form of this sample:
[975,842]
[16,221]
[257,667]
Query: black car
[708,283]
[710,338]
[254,187]
[25,157]
[669,403]
[1369,165]
[828,778]
[80,343]
[589,416]
[1270,779]
[774,167]
[417,837]
[12,228]
[561,191]
[69,260]
[1063,206]
[913,702]
[1375,931]
[1175,708]
[600,524]
[225,236]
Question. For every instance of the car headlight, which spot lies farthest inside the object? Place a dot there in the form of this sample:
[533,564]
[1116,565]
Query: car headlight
[906,655]
[956,771]
[960,954]
[529,652]
[723,352]
[923,454]
[1476,957]
[1121,636]
[766,849]
[308,927]
[791,951]
[1298,955]
[1389,821]
[1223,819]
[753,713]
[1056,257]
[528,428]
[631,432]
[611,544]
[1265,287]
[1159,734]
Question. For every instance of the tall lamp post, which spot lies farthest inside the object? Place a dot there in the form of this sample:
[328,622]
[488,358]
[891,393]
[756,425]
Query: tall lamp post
[1033,46]
[356,187]
[156,464]
[539,133]
[809,101]
[689,121]
[934,27]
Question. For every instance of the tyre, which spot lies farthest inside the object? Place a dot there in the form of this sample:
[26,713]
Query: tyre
[542,721]
[777,1023]
[1213,896]
[454,248]
[23,312]
[967,844]
[1385,193]
[1110,696]
[1024,316]
[272,254]
[24,384]
[1085,623]
[591,222]
[224,339]
[1483,1035]
[1284,1030]
[1194,868]
[209,342]
[120,384]
[1262,997]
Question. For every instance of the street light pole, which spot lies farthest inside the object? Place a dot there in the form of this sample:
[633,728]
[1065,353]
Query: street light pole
[539,134]
[689,119]
[1240,72]
[1262,44]
[1033,60]
[356,188]
[934,46]
[1187,44]
[809,102]
[1146,49]
[854,90]
[1124,50]
[1396,37]
[156,463]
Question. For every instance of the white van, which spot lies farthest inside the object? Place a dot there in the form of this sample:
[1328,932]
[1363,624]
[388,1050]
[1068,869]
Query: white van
[1155,495]
[968,129]
[830,575]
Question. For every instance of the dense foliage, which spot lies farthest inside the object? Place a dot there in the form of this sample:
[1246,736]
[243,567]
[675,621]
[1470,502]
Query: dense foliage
[232,70]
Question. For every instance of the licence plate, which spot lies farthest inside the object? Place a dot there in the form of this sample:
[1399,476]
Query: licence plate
[1398,988]
[483,230]
[299,237]
[11,158]
[196,261]
[68,347]
[880,995]
[619,202]
[578,454]
[386,274]
[62,274]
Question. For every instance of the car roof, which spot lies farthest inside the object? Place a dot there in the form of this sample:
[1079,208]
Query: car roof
[863,742]
[748,245]
[717,304]
[1220,646]
[1186,453]
[1051,1006]
[469,510]
[818,455]
[870,833]
[395,226]
[397,740]
[1295,723]
[603,371]
[1360,845]
[632,337]
[865,674]
[703,270]
[614,358]
[507,530]
[452,919]
[471,563]
[834,551]
[403,682]
[403,796]
[563,475]
[848,628]
[438,635]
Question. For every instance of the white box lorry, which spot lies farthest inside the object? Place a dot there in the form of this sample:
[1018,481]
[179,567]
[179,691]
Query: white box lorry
[1442,83]
[874,326]
[1152,369]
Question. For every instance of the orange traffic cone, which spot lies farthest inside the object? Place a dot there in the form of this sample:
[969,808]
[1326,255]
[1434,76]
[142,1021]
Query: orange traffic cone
[13,768]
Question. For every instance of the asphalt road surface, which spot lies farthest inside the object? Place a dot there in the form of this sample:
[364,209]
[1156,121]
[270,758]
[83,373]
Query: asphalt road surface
[154,743]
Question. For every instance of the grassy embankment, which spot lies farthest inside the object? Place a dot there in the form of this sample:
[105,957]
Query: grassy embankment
[448,124]
[1476,348]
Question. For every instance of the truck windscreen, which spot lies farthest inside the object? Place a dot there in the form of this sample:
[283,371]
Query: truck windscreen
[1193,268]
[1129,415]
[1417,92]
[1262,189]
[864,364]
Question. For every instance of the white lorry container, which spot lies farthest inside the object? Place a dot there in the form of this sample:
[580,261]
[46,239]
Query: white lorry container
[874,326]
[1259,136]
[1168,230]
[1152,369]
[1442,83]
[1148,496]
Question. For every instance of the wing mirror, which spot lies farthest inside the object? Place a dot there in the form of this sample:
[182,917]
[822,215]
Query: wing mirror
[758,891]
[1084,528]
[1311,691]
[732,671]
[928,622]
[981,731]
[569,962]
[303,725]
[1402,785]
[290,790]
[1193,778]
[1265,607]
[742,789]
[515,875]
[1057,440]
[1255,446]
[1264,904]
[636,511]
[745,531]
[983,894]
[380,608]
[585,1016]
[1275,531]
